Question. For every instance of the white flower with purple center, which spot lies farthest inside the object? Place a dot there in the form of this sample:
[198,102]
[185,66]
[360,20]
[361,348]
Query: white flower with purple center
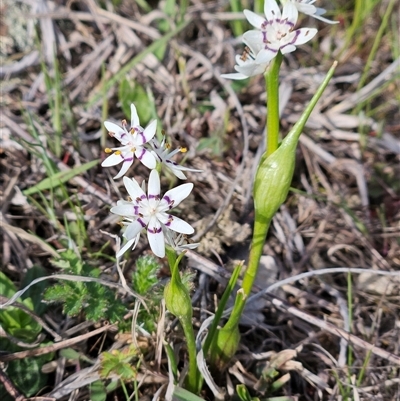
[307,7]
[246,65]
[151,212]
[132,141]
[163,154]
[276,31]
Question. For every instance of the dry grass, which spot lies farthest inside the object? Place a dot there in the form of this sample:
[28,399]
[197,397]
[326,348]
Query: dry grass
[344,210]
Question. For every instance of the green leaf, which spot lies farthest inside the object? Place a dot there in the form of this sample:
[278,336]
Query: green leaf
[60,177]
[70,353]
[15,321]
[27,376]
[34,294]
[180,394]
[135,93]
[98,391]
[7,287]
[119,363]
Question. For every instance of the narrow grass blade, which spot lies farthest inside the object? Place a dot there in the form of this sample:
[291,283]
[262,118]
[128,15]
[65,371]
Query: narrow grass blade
[59,178]
[136,60]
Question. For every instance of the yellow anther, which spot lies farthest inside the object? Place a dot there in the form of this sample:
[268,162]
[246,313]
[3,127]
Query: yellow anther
[117,152]
[123,122]
[167,146]
[129,199]
[183,150]
[133,150]
[107,150]
[132,131]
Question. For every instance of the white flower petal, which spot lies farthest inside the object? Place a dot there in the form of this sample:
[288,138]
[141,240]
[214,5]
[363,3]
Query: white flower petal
[254,19]
[177,195]
[124,210]
[254,39]
[134,117]
[304,35]
[153,189]
[234,75]
[290,13]
[251,69]
[271,10]
[155,236]
[131,243]
[133,229]
[306,8]
[125,167]
[323,19]
[133,188]
[178,173]
[176,224]
[150,131]
[265,56]
[288,49]
[113,128]
[112,160]
[146,157]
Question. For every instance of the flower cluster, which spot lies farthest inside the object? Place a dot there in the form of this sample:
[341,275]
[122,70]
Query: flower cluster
[275,32]
[148,212]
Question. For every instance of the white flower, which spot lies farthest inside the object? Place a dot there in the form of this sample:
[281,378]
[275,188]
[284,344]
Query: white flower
[162,152]
[178,242]
[132,141]
[131,242]
[151,212]
[306,7]
[276,31]
[245,64]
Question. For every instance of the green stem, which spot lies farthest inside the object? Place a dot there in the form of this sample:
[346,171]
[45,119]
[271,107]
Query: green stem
[178,302]
[272,88]
[260,230]
[193,381]
[221,307]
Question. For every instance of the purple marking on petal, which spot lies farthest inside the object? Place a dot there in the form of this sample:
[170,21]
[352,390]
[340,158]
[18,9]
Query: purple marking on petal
[154,230]
[171,162]
[140,134]
[266,47]
[140,155]
[293,41]
[170,219]
[157,197]
[142,223]
[168,199]
[128,159]
[135,210]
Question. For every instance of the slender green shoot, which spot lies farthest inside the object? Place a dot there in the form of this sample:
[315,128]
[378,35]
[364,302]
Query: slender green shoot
[237,25]
[363,370]
[372,53]
[218,314]
[350,309]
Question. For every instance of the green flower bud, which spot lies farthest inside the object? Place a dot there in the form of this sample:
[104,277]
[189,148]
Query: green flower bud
[227,338]
[177,300]
[273,178]
[275,172]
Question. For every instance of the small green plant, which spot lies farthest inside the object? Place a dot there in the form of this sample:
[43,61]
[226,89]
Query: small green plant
[92,299]
[145,282]
[21,329]
[120,364]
